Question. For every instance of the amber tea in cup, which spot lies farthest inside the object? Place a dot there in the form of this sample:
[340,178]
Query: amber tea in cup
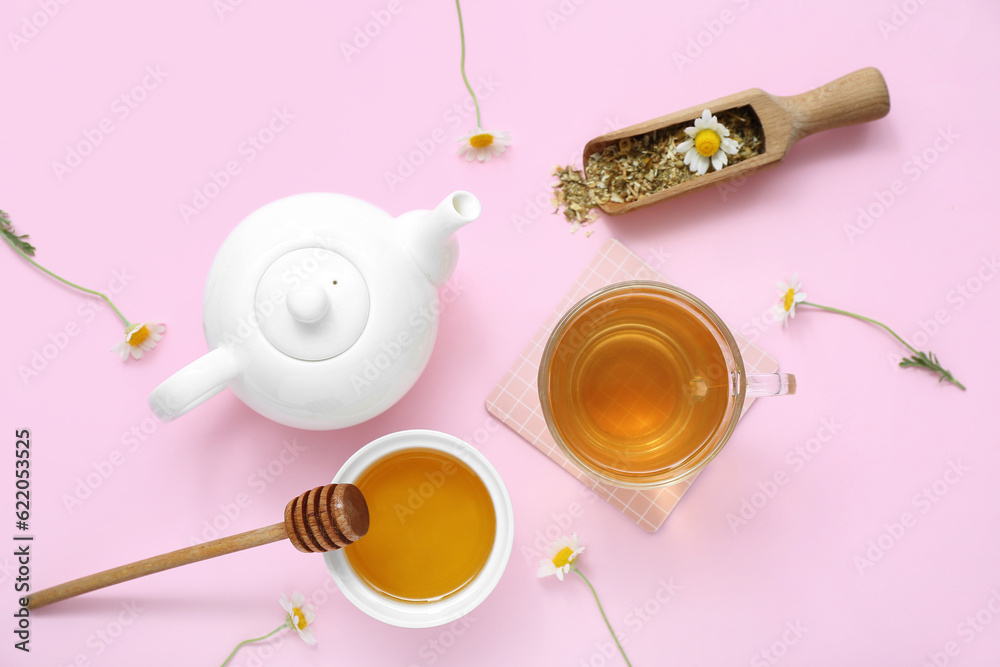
[641,384]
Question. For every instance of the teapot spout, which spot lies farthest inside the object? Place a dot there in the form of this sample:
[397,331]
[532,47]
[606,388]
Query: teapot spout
[429,236]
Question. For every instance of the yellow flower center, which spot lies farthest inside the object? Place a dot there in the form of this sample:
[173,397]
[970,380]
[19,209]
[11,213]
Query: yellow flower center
[137,335]
[789,298]
[707,142]
[561,559]
[481,140]
[299,619]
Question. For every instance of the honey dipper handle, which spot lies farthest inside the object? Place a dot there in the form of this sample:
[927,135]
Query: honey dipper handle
[220,547]
[858,97]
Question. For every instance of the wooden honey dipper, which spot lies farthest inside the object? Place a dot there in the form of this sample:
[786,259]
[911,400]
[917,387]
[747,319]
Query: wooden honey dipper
[321,519]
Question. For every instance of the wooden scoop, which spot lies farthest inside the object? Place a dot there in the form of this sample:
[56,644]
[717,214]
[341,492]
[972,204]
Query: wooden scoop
[859,97]
[322,519]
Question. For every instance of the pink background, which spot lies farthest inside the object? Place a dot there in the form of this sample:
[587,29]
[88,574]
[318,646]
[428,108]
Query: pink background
[554,84]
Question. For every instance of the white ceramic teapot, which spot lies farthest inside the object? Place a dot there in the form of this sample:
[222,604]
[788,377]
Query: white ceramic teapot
[321,309]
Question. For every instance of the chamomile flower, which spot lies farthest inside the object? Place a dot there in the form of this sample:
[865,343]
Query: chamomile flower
[300,616]
[482,145]
[790,293]
[560,557]
[709,144]
[477,144]
[139,338]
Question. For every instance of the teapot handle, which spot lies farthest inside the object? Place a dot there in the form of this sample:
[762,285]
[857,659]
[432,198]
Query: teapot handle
[194,384]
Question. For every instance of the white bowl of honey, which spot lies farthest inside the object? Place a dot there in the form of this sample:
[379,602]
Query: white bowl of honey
[441,531]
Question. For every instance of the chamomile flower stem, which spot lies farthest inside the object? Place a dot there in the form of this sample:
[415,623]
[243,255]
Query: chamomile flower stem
[862,318]
[920,359]
[257,639]
[73,285]
[603,615]
[461,32]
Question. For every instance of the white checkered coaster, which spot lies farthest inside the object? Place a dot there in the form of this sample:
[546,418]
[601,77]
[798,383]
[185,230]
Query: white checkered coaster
[514,401]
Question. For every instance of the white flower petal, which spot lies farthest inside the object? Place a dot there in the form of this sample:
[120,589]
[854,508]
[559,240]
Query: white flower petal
[307,635]
[685,146]
[700,163]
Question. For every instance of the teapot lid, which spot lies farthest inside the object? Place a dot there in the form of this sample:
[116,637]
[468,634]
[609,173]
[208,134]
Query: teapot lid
[312,303]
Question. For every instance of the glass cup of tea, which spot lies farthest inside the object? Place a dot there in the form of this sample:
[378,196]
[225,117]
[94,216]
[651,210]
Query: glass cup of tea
[641,384]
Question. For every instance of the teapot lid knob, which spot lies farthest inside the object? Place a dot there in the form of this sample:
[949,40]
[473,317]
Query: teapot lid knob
[312,303]
[308,302]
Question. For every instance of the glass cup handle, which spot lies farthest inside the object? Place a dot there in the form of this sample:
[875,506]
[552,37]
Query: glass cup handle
[769,384]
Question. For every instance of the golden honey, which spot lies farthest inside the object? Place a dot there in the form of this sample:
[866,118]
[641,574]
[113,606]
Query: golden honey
[432,526]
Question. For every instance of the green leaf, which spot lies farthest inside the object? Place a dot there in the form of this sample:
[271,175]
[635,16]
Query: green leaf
[18,241]
[930,362]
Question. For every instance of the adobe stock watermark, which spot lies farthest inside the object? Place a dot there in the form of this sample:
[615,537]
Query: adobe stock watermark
[561,12]
[132,441]
[922,501]
[971,627]
[795,460]
[454,119]
[779,648]
[229,512]
[913,169]
[956,299]
[105,636]
[604,652]
[760,323]
[263,309]
[223,8]
[712,30]
[481,435]
[560,525]
[8,568]
[433,649]
[42,356]
[121,108]
[417,496]
[635,620]
[248,150]
[419,320]
[642,614]
[367,33]
[658,257]
[900,15]
[533,206]
[32,24]
[731,187]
